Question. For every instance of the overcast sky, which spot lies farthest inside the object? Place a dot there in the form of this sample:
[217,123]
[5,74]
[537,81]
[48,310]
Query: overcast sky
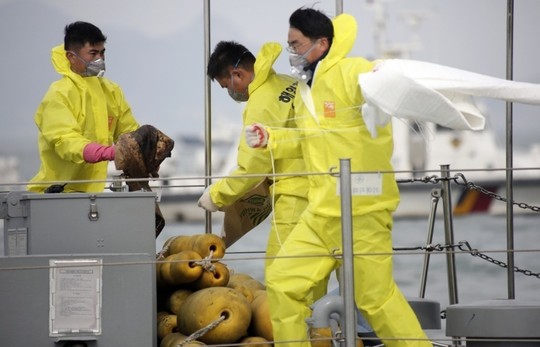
[155,51]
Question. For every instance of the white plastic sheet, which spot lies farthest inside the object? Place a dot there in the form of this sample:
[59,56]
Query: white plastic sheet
[435,93]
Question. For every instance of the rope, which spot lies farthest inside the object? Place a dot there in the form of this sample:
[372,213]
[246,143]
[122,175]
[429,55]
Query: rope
[161,254]
[207,263]
[201,331]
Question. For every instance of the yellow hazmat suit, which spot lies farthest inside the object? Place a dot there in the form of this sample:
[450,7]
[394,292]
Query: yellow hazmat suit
[75,112]
[332,128]
[270,102]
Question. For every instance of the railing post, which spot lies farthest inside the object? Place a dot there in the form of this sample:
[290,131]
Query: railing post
[449,235]
[347,245]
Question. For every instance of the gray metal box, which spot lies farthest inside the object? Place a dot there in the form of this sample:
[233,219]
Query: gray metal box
[44,305]
[75,223]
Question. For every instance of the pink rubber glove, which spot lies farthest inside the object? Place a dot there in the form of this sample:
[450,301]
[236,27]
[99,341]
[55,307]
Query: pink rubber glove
[94,153]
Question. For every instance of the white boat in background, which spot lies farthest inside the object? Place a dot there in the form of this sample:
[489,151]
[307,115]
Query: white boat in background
[475,155]
[9,172]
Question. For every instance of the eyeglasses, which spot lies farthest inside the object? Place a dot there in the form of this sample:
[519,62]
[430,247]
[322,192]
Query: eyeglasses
[293,48]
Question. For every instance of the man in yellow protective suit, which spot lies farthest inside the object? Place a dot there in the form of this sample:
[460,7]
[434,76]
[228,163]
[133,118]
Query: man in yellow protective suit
[328,113]
[269,98]
[81,115]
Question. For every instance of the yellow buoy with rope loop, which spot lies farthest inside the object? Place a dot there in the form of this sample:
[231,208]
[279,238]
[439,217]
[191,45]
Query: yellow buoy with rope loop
[214,275]
[225,307]
[184,267]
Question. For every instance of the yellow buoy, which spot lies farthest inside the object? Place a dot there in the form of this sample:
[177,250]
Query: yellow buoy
[175,339]
[260,316]
[219,277]
[176,299]
[209,245]
[167,325]
[215,305]
[165,251]
[255,341]
[161,314]
[323,337]
[240,276]
[177,244]
[181,268]
[246,286]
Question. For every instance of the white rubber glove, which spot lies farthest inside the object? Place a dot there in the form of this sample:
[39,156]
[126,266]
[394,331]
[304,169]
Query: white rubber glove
[256,135]
[205,201]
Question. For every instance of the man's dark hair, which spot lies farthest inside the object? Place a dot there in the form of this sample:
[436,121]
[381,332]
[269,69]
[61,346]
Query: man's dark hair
[228,54]
[312,23]
[77,34]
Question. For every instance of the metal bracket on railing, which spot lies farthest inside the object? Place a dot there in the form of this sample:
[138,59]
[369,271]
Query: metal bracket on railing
[435,196]
[117,184]
[93,215]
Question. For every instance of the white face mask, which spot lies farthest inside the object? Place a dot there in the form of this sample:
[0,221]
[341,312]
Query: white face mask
[299,65]
[94,68]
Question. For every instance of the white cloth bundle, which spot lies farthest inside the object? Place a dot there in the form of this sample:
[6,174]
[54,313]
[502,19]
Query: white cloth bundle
[435,93]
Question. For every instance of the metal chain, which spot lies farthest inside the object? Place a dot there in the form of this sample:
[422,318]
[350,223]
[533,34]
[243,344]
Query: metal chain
[429,248]
[434,179]
[525,206]
[466,247]
[460,179]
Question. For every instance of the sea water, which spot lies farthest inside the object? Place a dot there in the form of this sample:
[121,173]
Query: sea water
[476,278]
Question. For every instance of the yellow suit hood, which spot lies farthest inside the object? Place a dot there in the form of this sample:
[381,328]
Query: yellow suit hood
[345,29]
[266,57]
[62,65]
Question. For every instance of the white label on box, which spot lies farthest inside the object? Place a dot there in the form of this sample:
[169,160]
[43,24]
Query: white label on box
[17,241]
[75,297]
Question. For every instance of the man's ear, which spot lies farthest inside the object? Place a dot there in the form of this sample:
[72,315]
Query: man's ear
[324,43]
[70,56]
[241,73]
[234,73]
